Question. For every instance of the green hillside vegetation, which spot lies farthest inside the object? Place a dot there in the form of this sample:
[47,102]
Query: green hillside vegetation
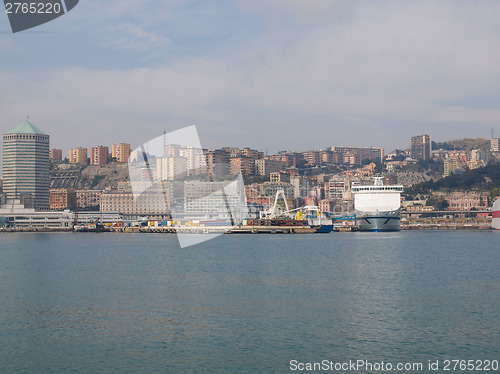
[482,179]
[466,144]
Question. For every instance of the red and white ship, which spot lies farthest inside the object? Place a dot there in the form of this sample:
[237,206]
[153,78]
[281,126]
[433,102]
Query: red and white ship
[495,215]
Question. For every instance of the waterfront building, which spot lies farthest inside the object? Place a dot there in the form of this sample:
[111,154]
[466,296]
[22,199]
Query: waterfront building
[120,152]
[21,218]
[26,165]
[62,198]
[212,199]
[55,155]
[99,155]
[415,210]
[468,201]
[150,202]
[421,147]
[78,156]
[88,199]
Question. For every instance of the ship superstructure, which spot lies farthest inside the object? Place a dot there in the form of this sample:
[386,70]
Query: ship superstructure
[378,206]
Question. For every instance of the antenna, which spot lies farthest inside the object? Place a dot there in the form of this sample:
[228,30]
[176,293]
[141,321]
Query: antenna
[164,143]
[492,133]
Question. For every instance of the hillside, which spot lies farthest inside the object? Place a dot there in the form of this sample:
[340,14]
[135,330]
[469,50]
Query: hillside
[466,144]
[88,177]
[482,179]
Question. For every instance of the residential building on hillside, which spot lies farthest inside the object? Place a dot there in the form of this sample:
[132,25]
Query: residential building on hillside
[495,145]
[78,156]
[99,155]
[421,147]
[359,154]
[243,165]
[267,166]
[171,168]
[120,152]
[55,155]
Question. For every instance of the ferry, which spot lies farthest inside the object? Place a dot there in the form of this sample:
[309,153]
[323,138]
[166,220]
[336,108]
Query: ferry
[495,215]
[378,207]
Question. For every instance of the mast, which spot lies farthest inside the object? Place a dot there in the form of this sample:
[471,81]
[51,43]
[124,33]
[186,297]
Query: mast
[75,221]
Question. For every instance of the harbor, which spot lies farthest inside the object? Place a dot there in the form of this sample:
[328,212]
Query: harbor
[278,219]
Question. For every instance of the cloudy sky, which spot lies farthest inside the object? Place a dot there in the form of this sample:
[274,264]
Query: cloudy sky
[269,74]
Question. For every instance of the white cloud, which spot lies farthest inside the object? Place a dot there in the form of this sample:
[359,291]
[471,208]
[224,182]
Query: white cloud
[132,37]
[375,77]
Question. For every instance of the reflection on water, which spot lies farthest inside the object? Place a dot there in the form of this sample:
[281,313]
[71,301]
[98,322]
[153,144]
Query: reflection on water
[139,304]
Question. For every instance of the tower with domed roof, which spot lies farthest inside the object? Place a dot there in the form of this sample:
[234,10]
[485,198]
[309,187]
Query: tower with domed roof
[26,165]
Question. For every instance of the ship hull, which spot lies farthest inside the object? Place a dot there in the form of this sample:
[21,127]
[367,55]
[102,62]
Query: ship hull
[379,223]
[324,229]
[495,214]
[378,207]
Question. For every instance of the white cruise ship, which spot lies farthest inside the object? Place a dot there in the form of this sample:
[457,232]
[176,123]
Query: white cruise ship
[378,206]
[495,215]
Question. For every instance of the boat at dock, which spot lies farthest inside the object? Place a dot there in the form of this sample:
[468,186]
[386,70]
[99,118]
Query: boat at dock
[495,215]
[308,217]
[378,206]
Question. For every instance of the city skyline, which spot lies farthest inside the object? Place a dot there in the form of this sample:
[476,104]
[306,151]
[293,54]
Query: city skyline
[262,74]
[107,153]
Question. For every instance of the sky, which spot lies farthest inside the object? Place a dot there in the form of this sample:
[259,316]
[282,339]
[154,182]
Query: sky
[268,74]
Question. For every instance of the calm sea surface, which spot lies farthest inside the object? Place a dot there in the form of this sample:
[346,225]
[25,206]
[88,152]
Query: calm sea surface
[137,303]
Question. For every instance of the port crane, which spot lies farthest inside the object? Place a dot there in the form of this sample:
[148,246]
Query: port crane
[277,211]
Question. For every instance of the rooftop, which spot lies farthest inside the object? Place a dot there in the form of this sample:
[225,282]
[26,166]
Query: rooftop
[27,128]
